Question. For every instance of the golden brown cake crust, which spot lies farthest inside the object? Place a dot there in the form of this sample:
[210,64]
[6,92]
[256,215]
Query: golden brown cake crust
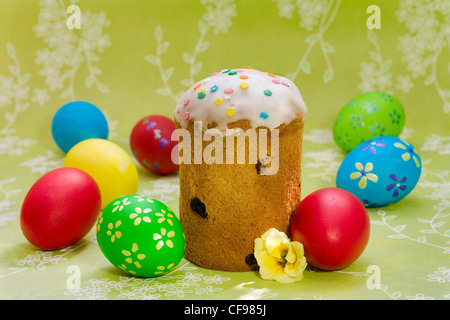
[240,203]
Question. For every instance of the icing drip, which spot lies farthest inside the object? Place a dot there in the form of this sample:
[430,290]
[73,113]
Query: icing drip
[262,98]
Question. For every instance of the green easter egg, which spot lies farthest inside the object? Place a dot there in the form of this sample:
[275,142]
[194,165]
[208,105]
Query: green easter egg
[141,236]
[367,116]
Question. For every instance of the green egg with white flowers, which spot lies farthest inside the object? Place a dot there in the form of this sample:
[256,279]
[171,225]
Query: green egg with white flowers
[367,116]
[141,236]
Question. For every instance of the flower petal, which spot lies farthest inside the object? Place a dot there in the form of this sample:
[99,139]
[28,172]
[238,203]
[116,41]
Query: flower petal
[268,266]
[362,182]
[291,255]
[359,166]
[369,167]
[260,248]
[284,278]
[406,156]
[355,175]
[372,177]
[296,260]
[276,248]
[399,145]
[390,187]
[416,161]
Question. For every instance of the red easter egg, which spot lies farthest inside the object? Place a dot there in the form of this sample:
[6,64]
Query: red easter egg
[60,208]
[152,146]
[333,226]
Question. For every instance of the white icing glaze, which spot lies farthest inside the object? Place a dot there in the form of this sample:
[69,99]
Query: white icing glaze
[228,96]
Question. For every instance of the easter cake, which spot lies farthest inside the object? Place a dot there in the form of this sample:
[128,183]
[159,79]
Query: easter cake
[227,199]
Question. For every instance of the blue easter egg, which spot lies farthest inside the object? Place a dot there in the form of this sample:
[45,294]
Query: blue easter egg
[380,171]
[77,121]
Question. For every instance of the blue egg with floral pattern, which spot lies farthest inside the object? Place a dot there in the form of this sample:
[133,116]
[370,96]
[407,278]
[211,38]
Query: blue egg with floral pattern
[380,171]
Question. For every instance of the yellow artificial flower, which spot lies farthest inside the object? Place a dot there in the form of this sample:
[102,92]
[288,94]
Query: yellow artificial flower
[279,258]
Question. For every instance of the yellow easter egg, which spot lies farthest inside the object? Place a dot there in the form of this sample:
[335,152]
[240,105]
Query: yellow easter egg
[110,166]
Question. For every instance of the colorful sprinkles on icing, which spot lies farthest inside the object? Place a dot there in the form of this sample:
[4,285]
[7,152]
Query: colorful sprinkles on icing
[201,94]
[251,95]
[230,112]
[264,115]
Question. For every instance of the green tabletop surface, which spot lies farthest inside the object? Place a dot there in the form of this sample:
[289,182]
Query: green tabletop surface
[136,58]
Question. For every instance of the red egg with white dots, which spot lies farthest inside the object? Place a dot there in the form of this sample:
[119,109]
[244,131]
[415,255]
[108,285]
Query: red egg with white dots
[333,226]
[151,144]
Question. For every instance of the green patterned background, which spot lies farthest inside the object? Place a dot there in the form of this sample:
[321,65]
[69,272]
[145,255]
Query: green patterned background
[135,58]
